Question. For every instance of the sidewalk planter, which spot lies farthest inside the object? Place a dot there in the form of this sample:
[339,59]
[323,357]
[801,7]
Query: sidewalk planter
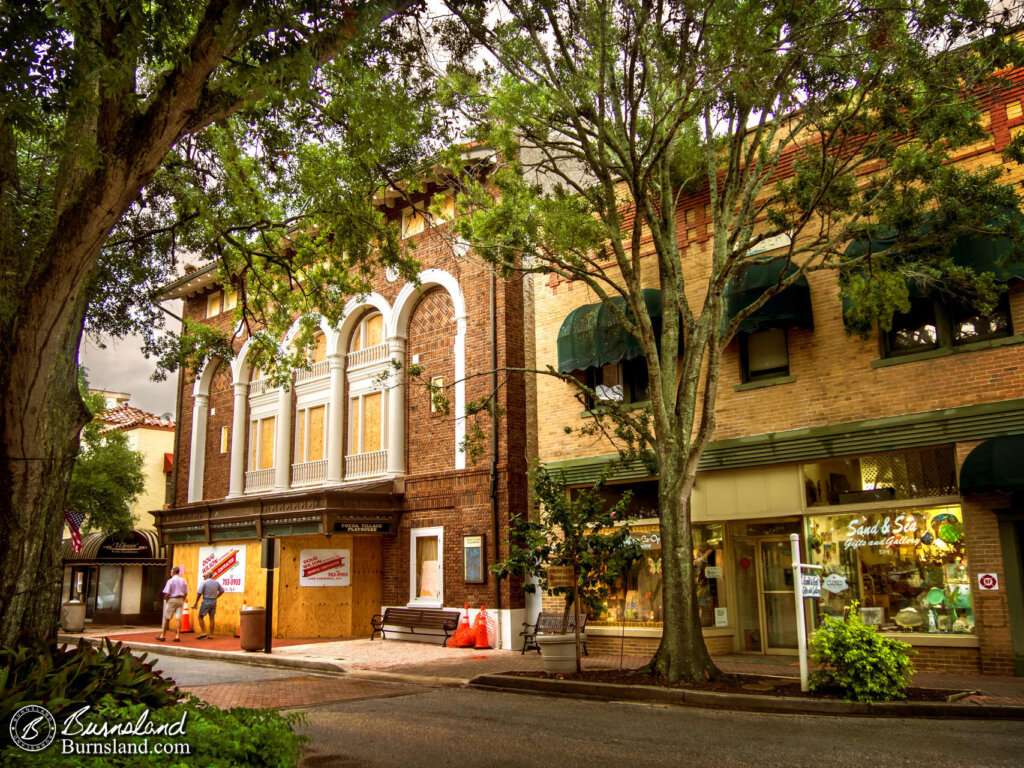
[558,653]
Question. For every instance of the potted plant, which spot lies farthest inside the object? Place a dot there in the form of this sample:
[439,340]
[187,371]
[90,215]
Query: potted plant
[577,547]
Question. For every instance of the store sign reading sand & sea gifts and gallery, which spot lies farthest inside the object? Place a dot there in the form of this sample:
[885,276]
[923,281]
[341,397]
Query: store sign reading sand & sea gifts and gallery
[324,567]
[226,564]
[889,531]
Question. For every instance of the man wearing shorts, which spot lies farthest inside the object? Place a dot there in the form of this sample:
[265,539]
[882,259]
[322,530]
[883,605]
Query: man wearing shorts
[208,591]
[175,592]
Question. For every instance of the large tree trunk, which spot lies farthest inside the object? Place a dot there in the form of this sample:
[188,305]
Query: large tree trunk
[682,654]
[40,422]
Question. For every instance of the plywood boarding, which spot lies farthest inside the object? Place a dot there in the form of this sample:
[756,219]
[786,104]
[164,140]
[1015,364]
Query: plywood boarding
[748,493]
[371,423]
[316,433]
[267,442]
[330,611]
[229,605]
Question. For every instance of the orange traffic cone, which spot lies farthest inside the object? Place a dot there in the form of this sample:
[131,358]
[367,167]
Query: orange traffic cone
[480,628]
[186,625]
[463,637]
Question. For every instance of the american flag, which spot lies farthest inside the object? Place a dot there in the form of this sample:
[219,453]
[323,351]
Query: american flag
[74,520]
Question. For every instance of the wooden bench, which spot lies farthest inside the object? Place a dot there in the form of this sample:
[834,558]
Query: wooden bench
[431,621]
[551,624]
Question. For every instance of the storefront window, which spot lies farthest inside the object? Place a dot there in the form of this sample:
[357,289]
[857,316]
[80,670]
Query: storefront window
[637,599]
[108,592]
[907,568]
[879,478]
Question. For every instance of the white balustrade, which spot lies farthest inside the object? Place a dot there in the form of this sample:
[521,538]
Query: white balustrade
[360,465]
[309,473]
[316,371]
[375,354]
[258,387]
[259,480]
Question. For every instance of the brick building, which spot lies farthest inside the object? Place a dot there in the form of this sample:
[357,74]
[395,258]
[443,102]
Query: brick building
[857,445]
[358,474]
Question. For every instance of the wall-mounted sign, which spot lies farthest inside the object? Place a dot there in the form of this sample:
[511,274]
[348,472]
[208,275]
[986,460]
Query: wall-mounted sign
[713,571]
[560,576]
[473,559]
[810,585]
[721,617]
[876,531]
[987,582]
[121,545]
[324,567]
[226,565]
[835,583]
[346,527]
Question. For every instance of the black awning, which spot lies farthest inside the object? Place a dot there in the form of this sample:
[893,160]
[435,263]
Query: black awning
[997,465]
[789,309]
[142,547]
[591,335]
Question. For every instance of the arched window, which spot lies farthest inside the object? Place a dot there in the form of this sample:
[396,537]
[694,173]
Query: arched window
[369,333]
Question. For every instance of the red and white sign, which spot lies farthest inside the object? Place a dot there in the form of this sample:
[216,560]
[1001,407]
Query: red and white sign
[324,568]
[988,582]
[227,565]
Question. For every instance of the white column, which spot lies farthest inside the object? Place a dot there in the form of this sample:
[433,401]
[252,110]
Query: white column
[239,422]
[197,451]
[460,390]
[396,409]
[336,410]
[283,443]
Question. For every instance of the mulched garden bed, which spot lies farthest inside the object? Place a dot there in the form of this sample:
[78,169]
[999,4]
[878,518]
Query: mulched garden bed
[734,683]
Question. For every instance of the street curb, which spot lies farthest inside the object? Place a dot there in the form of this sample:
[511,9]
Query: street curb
[321,666]
[737,701]
[399,677]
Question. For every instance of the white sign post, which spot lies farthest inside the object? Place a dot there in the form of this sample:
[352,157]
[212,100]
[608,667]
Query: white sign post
[804,585]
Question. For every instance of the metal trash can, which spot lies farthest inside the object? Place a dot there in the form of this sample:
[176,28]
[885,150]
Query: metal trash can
[72,616]
[253,628]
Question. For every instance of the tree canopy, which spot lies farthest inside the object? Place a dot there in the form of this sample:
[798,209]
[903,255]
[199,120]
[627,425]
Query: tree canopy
[798,125]
[108,474]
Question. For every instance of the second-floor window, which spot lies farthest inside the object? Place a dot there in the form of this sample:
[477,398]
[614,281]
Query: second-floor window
[934,322]
[309,434]
[369,333]
[764,355]
[626,382]
[261,443]
[318,351]
[364,423]
[220,301]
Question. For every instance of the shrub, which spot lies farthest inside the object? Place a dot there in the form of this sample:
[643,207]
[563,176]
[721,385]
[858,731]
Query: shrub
[858,662]
[258,738]
[60,677]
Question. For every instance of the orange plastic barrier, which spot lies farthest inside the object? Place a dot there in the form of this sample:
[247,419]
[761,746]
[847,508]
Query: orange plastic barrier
[463,637]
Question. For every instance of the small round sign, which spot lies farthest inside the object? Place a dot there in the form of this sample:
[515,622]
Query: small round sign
[33,728]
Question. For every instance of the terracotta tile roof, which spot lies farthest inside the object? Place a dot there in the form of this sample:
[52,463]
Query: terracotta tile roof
[127,416]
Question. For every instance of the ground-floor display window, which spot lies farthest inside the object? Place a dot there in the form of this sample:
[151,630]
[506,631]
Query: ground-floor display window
[637,598]
[108,589]
[426,578]
[907,568]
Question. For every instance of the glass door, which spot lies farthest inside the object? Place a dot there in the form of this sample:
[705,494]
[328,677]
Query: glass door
[766,611]
[778,601]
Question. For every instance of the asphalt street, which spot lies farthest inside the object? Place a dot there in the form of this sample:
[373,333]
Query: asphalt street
[387,724]
[468,728]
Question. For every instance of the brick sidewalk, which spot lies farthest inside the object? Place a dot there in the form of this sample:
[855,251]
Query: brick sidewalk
[294,692]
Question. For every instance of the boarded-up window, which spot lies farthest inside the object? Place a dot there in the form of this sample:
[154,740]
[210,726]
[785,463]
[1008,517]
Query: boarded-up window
[413,223]
[213,304]
[319,347]
[230,300]
[364,424]
[369,332]
[225,438]
[261,434]
[371,423]
[317,421]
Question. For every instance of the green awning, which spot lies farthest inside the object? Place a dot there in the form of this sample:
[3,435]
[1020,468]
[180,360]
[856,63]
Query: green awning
[999,256]
[789,309]
[591,335]
[997,465]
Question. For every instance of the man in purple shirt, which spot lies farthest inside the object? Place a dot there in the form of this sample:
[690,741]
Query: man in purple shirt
[175,591]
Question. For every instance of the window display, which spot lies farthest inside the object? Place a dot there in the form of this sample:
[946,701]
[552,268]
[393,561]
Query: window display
[636,600]
[906,567]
